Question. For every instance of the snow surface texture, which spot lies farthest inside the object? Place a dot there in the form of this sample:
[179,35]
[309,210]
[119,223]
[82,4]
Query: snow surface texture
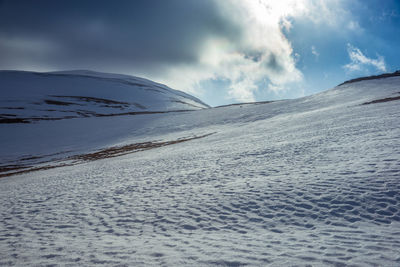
[35,96]
[307,181]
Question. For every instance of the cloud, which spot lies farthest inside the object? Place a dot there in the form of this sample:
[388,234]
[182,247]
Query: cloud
[359,61]
[354,26]
[314,52]
[123,35]
[178,42]
[261,51]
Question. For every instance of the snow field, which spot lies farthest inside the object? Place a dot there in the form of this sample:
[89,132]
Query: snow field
[308,181]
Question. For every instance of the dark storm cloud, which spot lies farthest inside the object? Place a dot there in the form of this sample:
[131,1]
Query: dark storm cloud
[121,34]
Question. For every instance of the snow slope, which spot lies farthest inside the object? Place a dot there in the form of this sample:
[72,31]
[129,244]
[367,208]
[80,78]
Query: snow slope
[34,96]
[313,181]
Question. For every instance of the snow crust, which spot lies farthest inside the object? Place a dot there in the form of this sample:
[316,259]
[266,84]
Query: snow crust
[296,182]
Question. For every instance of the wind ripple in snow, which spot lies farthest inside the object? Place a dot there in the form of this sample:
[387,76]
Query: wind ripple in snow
[314,187]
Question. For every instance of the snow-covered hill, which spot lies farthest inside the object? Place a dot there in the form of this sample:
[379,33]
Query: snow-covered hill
[34,96]
[314,180]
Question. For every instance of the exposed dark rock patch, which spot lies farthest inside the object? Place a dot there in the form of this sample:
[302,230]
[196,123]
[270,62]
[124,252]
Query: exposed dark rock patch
[12,108]
[92,99]
[83,114]
[14,120]
[374,77]
[388,99]
[58,103]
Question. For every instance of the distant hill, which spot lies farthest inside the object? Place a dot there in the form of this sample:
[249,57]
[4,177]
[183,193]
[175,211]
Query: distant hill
[374,77]
[32,96]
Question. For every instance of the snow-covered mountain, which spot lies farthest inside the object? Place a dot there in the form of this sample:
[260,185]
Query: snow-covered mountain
[314,180]
[34,96]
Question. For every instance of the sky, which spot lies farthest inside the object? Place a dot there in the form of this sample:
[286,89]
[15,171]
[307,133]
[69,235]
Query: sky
[222,51]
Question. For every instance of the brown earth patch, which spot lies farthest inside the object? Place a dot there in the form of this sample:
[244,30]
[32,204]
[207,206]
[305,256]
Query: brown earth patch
[131,148]
[110,152]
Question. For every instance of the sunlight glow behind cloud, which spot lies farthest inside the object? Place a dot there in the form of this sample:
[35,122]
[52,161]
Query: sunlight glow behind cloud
[261,53]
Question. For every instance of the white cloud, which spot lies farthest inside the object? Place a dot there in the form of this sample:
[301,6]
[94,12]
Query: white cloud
[263,51]
[354,26]
[314,51]
[359,61]
[240,42]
